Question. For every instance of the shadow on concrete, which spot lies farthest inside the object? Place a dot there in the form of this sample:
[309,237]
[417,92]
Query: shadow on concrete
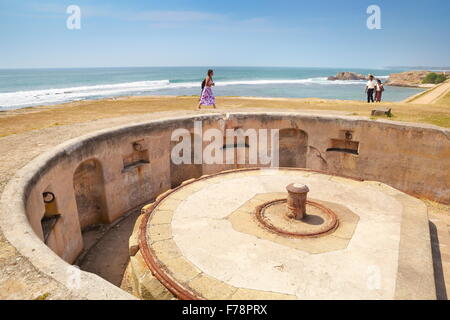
[106,252]
[441,292]
[313,220]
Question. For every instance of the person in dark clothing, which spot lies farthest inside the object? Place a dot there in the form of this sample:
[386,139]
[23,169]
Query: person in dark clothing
[370,88]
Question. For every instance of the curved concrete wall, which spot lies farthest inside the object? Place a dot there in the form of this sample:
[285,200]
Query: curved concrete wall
[123,168]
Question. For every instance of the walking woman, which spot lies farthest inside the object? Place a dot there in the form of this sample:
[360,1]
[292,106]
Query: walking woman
[378,91]
[207,98]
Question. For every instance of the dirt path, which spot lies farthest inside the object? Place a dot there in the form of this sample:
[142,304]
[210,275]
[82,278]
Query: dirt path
[433,95]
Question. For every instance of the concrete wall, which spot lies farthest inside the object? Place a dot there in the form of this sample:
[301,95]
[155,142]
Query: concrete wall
[133,163]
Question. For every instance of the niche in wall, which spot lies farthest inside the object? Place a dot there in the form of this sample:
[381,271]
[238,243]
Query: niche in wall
[88,184]
[185,171]
[236,142]
[236,147]
[51,214]
[345,144]
[293,148]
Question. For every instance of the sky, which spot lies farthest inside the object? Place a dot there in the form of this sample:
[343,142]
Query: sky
[320,33]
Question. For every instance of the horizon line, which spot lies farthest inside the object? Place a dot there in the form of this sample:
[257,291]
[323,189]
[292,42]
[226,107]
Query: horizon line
[226,66]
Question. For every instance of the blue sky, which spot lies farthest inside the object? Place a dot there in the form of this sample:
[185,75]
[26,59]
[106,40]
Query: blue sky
[318,33]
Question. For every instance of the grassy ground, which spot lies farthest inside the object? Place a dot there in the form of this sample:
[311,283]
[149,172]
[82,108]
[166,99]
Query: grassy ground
[445,101]
[22,120]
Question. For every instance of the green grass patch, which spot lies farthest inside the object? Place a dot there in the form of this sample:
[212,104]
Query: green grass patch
[438,120]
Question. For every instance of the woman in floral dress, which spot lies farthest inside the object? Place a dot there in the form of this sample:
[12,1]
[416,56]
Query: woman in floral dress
[379,88]
[207,98]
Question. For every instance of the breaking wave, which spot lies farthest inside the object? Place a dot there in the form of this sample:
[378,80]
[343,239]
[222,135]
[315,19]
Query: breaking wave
[60,95]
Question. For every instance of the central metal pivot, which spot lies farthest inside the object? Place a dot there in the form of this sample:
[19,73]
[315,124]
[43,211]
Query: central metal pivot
[296,201]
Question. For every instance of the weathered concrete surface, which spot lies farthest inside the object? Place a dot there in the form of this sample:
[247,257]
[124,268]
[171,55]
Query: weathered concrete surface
[243,220]
[106,249]
[201,251]
[208,241]
[19,278]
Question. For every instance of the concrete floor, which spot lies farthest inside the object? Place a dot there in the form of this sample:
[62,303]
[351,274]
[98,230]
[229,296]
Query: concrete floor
[387,256]
[18,277]
[209,241]
[106,249]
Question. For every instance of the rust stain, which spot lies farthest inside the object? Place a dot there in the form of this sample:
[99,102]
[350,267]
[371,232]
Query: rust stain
[334,222]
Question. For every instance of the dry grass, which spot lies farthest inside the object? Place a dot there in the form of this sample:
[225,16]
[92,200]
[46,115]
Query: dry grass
[445,101]
[22,120]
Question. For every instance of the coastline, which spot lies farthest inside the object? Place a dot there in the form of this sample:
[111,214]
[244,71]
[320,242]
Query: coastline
[121,97]
[419,86]
[44,87]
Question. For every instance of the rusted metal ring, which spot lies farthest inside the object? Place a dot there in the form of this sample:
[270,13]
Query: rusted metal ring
[333,224]
[157,270]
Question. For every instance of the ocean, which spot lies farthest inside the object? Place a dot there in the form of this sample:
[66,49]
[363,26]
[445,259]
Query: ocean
[32,87]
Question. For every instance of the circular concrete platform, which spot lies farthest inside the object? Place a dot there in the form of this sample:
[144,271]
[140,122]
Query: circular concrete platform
[203,240]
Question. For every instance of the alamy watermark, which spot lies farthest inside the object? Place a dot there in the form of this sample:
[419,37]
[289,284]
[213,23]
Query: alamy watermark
[73,22]
[374,20]
[73,280]
[373,277]
[231,146]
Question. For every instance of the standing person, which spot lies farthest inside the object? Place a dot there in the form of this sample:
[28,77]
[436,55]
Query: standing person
[207,98]
[379,91]
[370,88]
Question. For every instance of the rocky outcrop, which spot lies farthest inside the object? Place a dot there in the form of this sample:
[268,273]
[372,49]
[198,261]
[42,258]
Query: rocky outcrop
[409,79]
[347,76]
[404,79]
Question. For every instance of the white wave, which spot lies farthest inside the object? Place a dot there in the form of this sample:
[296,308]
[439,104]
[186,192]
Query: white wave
[316,81]
[321,80]
[49,96]
[53,96]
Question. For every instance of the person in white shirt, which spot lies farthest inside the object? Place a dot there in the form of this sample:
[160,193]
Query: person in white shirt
[370,88]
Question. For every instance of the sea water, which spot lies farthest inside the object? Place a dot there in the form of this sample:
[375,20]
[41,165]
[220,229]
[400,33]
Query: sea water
[31,87]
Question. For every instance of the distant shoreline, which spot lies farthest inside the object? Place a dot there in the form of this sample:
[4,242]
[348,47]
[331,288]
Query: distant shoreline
[406,79]
[26,88]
